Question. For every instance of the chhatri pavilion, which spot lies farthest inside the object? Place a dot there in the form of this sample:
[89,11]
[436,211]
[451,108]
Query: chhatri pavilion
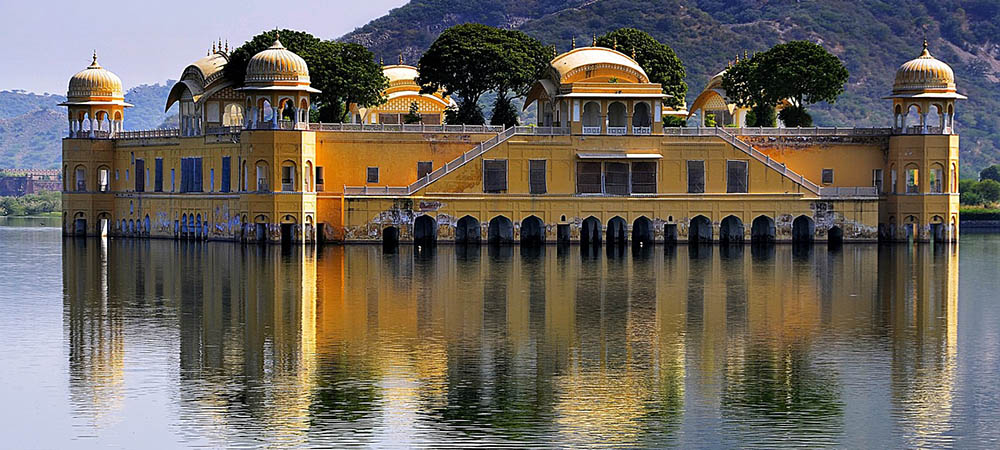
[246,164]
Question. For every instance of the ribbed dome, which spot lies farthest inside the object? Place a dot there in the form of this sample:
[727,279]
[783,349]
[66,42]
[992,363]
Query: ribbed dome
[95,81]
[277,64]
[588,58]
[924,73]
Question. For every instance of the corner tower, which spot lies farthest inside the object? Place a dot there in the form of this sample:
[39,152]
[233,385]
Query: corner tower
[96,103]
[921,192]
[277,88]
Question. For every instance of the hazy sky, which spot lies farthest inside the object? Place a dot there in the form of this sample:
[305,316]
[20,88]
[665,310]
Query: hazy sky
[46,41]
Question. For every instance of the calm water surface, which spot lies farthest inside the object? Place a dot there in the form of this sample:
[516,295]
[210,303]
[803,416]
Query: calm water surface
[172,344]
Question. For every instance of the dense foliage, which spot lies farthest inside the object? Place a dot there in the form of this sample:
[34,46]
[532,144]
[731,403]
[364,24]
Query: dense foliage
[800,72]
[979,193]
[469,60]
[346,73]
[974,213]
[30,205]
[658,60]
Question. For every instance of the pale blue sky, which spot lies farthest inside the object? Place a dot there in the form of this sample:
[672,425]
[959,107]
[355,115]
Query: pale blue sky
[46,41]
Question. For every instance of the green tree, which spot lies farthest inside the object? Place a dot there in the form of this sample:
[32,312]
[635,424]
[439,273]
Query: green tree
[762,115]
[467,61]
[990,173]
[522,63]
[345,73]
[658,60]
[988,190]
[799,71]
[413,116]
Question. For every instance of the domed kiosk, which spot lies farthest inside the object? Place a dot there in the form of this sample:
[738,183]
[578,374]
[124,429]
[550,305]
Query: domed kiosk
[96,103]
[923,96]
[402,93]
[277,88]
[597,90]
[206,98]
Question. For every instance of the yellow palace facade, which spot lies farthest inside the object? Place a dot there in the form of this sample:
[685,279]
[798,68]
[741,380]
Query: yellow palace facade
[599,166]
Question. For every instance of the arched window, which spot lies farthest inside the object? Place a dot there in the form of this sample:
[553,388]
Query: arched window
[912,179]
[288,176]
[617,120]
[592,118]
[262,178]
[103,179]
[307,177]
[80,180]
[953,177]
[936,178]
[893,179]
[897,117]
[642,120]
[935,119]
[304,111]
[233,115]
[911,121]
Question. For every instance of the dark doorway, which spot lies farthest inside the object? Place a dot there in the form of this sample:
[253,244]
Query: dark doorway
[835,236]
[390,239]
[425,230]
[590,231]
[670,234]
[731,231]
[642,232]
[803,229]
[562,234]
[762,231]
[532,232]
[501,231]
[616,232]
[467,231]
[700,231]
[287,233]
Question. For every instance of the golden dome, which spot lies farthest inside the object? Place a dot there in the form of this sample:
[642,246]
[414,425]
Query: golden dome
[400,74]
[925,73]
[95,81]
[277,64]
[584,59]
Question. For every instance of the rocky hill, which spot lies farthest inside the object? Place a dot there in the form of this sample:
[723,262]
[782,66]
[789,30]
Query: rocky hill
[872,37]
[32,125]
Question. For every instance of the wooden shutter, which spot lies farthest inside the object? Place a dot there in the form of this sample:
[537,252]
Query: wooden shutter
[696,177]
[827,176]
[226,174]
[588,178]
[616,178]
[424,168]
[373,174]
[158,175]
[140,175]
[197,174]
[536,176]
[494,175]
[736,177]
[644,177]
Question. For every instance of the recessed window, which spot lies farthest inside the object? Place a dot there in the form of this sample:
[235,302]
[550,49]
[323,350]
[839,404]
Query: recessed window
[736,177]
[424,168]
[644,177]
[494,175]
[696,177]
[319,179]
[827,176]
[372,175]
[877,179]
[588,177]
[536,176]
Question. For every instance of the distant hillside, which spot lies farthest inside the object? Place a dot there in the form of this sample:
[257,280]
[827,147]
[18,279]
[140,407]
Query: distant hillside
[872,37]
[32,126]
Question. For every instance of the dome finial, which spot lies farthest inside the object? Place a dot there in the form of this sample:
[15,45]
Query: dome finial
[595,41]
[227,46]
[93,62]
[573,42]
[925,53]
[401,58]
[380,61]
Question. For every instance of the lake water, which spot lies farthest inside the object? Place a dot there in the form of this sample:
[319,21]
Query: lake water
[165,344]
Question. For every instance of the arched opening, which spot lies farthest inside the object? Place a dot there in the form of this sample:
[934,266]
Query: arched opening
[146,225]
[912,228]
[262,176]
[642,120]
[592,118]
[897,117]
[80,178]
[468,231]
[232,115]
[289,229]
[803,229]
[912,173]
[835,236]
[762,230]
[390,238]
[131,227]
[936,178]
[307,183]
[197,227]
[617,118]
[911,121]
[288,176]
[80,224]
[500,231]
[953,178]
[191,226]
[616,232]
[642,232]
[184,224]
[731,231]
[103,179]
[700,230]
[267,114]
[935,119]
[286,107]
[260,229]
[304,111]
[532,232]
[425,230]
[590,231]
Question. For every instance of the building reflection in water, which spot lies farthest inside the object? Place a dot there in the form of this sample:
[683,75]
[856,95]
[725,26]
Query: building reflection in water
[709,345]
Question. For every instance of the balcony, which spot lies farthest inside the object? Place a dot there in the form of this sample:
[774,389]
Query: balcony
[617,131]
[642,131]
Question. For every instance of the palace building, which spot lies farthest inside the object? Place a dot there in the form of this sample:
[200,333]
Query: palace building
[247,165]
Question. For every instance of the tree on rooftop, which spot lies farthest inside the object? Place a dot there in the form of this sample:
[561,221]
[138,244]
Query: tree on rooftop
[658,60]
[523,61]
[799,71]
[345,73]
